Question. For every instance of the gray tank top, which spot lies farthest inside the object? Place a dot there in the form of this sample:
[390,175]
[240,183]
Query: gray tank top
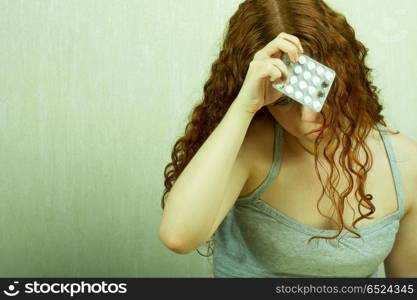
[257,240]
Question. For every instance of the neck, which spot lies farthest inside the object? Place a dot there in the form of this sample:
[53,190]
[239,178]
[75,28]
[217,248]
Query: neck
[304,148]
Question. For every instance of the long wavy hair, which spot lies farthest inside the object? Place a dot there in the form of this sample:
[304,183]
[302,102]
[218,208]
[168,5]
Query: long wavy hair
[351,110]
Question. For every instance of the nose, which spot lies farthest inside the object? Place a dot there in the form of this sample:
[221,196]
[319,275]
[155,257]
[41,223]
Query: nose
[309,115]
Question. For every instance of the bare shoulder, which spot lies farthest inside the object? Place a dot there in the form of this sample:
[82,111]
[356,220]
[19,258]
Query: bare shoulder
[405,149]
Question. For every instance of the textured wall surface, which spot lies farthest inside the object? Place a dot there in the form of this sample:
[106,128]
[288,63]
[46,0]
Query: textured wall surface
[93,95]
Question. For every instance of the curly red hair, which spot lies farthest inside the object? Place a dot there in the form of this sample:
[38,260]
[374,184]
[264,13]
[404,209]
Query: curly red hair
[351,110]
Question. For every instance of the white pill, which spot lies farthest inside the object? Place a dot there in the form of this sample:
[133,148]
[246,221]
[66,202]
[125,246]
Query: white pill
[316,104]
[302,60]
[307,99]
[307,75]
[311,65]
[316,80]
[329,75]
[298,70]
[312,90]
[298,95]
[320,70]
[289,89]
[293,79]
[302,85]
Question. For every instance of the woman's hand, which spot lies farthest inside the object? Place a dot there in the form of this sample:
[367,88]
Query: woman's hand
[265,68]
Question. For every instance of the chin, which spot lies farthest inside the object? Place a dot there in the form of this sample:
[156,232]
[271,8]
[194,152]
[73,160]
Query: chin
[314,135]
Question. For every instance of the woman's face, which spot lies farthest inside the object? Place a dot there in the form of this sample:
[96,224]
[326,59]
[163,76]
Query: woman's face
[297,119]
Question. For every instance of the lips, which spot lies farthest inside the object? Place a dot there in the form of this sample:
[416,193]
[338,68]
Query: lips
[317,130]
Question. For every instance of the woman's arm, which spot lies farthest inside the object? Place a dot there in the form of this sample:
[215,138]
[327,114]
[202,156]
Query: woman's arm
[209,185]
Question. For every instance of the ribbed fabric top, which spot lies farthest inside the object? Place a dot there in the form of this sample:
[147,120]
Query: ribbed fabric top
[257,240]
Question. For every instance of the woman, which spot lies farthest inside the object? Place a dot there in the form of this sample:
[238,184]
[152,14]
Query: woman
[282,190]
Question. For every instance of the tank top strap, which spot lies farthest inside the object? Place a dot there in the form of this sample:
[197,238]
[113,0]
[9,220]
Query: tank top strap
[394,169]
[278,132]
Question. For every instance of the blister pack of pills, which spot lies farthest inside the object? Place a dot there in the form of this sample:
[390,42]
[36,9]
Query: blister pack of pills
[308,82]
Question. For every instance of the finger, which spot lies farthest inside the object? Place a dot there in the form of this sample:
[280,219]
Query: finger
[275,73]
[293,39]
[281,66]
[277,45]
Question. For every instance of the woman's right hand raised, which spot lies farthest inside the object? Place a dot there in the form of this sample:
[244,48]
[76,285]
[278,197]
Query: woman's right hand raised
[265,68]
